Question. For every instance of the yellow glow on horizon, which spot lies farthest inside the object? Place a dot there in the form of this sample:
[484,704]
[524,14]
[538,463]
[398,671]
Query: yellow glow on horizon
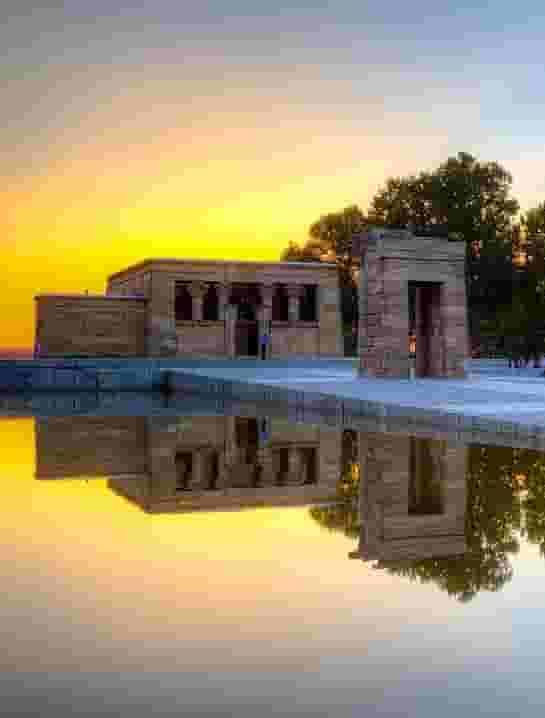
[239,184]
[187,561]
[59,246]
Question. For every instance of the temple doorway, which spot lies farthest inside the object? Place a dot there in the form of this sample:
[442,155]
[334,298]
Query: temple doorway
[246,338]
[247,300]
[425,330]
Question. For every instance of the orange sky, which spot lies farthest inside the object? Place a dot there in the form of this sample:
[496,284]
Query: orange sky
[233,192]
[222,130]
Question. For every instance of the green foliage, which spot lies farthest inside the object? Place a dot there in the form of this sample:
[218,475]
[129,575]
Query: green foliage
[469,197]
[505,498]
[493,519]
[534,220]
[330,240]
[518,327]
[534,503]
[471,200]
[465,200]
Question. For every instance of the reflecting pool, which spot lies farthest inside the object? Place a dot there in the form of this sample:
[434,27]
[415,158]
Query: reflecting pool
[222,564]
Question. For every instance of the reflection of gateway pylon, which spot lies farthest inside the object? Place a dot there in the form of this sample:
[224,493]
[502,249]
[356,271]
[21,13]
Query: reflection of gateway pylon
[412,498]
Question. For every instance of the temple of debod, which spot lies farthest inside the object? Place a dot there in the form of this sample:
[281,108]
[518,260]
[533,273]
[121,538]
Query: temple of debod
[200,309]
[411,294]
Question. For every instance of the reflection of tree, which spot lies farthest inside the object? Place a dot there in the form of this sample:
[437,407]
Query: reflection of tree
[491,525]
[344,514]
[533,476]
[494,509]
[338,517]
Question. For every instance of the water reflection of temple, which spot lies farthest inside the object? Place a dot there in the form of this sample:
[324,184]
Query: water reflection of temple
[412,499]
[198,462]
[411,491]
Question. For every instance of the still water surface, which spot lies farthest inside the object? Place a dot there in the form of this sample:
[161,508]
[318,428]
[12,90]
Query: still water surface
[219,565]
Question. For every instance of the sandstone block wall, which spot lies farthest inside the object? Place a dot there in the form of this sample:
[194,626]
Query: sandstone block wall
[294,339]
[90,326]
[329,315]
[391,262]
[71,447]
[389,530]
[157,280]
[201,339]
[215,438]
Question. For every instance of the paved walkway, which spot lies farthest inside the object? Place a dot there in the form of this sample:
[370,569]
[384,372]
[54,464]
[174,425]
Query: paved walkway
[491,391]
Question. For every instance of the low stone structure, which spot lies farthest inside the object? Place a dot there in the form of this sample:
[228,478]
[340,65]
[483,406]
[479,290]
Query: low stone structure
[412,305]
[90,325]
[201,309]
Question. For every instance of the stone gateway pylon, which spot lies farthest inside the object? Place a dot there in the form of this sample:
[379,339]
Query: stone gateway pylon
[413,316]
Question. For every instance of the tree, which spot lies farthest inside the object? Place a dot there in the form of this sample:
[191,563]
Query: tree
[526,315]
[471,200]
[492,522]
[330,240]
[534,220]
[534,501]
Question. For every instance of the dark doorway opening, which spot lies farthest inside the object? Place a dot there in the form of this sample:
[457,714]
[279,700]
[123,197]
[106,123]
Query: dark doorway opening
[424,336]
[183,303]
[246,338]
[309,462]
[212,469]
[184,470]
[425,485]
[280,304]
[248,470]
[247,299]
[210,305]
[281,463]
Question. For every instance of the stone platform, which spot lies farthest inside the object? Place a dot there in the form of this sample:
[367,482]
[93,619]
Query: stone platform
[492,399]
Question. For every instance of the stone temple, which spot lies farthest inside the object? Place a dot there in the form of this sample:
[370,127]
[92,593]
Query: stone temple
[201,309]
[412,314]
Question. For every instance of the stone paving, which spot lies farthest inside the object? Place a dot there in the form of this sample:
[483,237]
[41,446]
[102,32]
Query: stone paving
[490,391]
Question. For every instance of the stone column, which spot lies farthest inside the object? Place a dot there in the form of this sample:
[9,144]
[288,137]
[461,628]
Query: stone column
[422,347]
[295,474]
[230,444]
[197,291]
[454,323]
[267,291]
[363,306]
[223,473]
[197,475]
[265,460]
[230,326]
[371,510]
[294,293]
[224,291]
[436,359]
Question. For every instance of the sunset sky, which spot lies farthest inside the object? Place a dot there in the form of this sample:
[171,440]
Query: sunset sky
[223,128]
